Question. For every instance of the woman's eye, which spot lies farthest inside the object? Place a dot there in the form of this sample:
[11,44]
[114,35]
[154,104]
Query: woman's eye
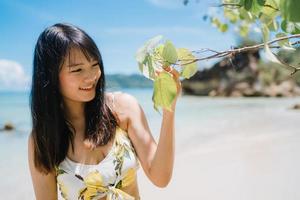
[77,70]
[95,65]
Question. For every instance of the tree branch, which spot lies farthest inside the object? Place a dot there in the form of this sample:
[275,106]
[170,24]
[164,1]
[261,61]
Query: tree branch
[236,5]
[233,52]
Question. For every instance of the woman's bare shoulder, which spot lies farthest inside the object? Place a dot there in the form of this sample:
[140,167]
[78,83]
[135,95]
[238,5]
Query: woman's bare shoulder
[120,103]
[120,99]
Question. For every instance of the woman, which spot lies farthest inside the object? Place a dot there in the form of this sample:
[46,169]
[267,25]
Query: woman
[86,143]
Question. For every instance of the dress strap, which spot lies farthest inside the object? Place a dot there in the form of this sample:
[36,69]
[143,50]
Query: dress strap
[113,101]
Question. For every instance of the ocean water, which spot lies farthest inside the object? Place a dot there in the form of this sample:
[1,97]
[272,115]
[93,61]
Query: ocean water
[199,121]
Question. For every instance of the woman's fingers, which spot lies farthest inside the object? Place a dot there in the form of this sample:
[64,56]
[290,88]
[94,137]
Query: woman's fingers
[175,75]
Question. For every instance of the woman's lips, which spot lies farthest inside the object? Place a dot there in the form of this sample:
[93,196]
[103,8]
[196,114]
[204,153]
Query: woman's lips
[87,88]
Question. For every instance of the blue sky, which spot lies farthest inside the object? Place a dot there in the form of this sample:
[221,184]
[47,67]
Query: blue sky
[118,27]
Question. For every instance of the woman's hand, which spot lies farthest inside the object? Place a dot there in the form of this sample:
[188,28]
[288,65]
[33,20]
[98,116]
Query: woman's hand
[175,74]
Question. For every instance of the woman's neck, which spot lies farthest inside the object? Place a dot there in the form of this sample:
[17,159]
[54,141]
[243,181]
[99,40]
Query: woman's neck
[74,111]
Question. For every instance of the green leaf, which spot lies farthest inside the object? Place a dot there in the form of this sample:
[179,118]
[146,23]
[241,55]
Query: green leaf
[290,27]
[282,42]
[147,67]
[265,32]
[254,6]
[189,70]
[232,15]
[248,4]
[215,21]
[261,2]
[157,53]
[270,56]
[246,15]
[273,26]
[269,21]
[150,68]
[271,9]
[150,44]
[290,10]
[165,91]
[223,28]
[186,57]
[169,53]
[244,30]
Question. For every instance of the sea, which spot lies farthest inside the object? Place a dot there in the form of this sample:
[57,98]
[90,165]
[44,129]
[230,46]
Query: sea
[198,121]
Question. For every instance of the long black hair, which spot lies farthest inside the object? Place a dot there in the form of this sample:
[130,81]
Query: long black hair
[51,131]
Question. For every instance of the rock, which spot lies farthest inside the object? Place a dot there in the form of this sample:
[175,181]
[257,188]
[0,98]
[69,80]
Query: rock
[242,86]
[213,93]
[296,106]
[8,127]
[236,93]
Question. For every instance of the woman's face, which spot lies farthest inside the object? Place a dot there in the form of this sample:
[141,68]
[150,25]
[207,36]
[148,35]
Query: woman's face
[78,77]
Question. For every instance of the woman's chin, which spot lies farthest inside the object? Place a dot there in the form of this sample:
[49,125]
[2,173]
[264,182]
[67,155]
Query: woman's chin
[87,97]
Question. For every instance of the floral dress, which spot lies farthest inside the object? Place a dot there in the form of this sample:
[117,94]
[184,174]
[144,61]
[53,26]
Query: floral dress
[77,181]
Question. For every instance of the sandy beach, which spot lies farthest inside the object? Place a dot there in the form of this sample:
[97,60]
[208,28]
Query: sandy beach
[260,168]
[226,149]
[248,154]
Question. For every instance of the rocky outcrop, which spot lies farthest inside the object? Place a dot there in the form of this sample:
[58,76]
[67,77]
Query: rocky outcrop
[237,77]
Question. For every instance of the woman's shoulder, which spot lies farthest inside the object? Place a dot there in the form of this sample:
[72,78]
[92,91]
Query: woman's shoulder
[121,100]
[122,104]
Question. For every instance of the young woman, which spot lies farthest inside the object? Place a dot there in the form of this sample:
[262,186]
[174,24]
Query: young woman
[86,143]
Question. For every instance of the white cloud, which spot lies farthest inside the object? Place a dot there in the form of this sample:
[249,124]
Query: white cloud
[12,76]
[153,30]
[170,4]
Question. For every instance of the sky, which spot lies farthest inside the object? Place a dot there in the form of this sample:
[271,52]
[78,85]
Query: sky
[119,28]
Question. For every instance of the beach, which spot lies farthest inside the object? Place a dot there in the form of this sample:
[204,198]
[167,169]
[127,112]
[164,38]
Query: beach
[226,148]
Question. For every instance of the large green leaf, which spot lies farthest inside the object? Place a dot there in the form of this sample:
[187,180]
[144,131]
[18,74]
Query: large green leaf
[147,67]
[290,27]
[186,57]
[271,9]
[261,2]
[169,53]
[290,10]
[164,92]
[254,6]
[248,4]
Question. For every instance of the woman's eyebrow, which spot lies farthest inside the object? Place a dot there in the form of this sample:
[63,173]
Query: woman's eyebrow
[75,64]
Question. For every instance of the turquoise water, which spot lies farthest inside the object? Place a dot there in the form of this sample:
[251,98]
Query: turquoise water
[199,121]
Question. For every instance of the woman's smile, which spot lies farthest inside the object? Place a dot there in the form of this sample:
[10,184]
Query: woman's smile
[90,88]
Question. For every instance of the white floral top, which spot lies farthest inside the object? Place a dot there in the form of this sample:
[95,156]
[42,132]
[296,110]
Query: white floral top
[76,181]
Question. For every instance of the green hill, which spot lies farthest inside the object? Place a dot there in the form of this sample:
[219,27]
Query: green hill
[127,81]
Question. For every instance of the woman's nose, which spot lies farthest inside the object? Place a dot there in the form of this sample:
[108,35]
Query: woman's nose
[90,77]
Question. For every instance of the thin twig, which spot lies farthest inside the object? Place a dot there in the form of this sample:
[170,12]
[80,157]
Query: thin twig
[236,5]
[229,4]
[232,52]
[295,69]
